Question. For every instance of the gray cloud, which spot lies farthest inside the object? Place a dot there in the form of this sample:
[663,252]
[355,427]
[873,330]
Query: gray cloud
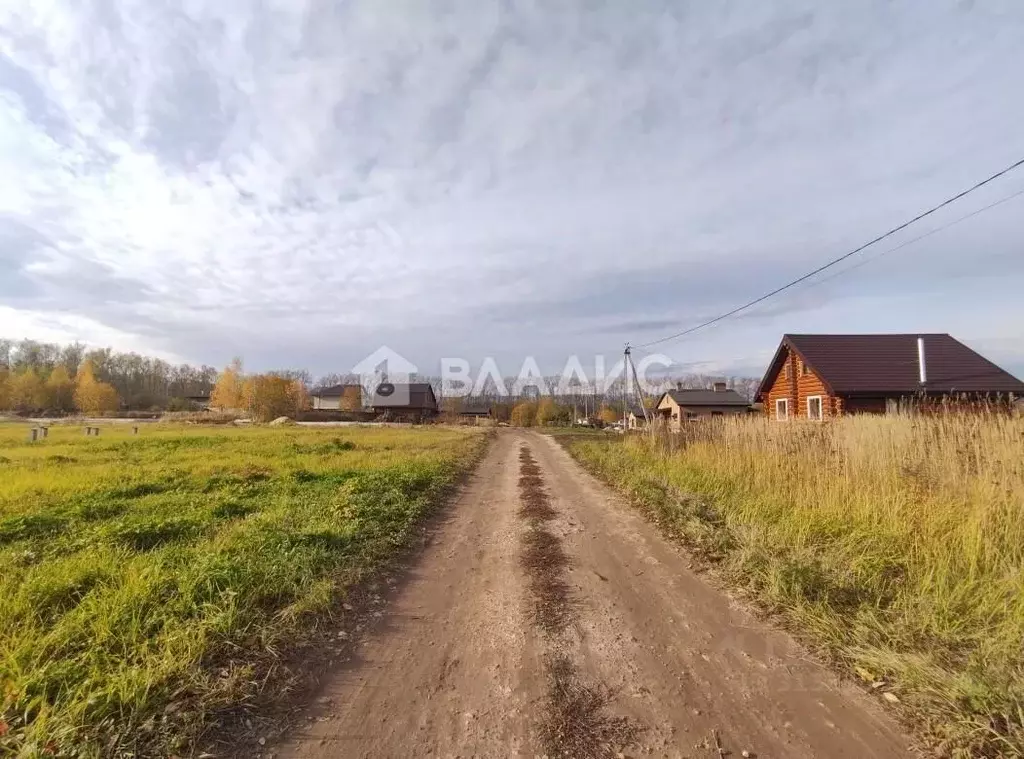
[18,244]
[39,109]
[298,182]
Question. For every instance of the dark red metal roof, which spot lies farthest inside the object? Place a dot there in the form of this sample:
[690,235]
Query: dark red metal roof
[888,364]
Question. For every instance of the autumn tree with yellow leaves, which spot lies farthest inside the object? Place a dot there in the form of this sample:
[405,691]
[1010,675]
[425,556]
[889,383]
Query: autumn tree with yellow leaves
[268,396]
[524,414]
[60,390]
[5,390]
[91,396]
[608,415]
[228,392]
[547,412]
[25,391]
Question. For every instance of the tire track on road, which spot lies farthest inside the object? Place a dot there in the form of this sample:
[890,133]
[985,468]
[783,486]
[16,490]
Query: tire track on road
[449,666]
[576,722]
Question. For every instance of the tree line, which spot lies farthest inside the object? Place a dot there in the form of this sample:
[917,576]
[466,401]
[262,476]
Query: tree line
[34,377]
[26,390]
[39,377]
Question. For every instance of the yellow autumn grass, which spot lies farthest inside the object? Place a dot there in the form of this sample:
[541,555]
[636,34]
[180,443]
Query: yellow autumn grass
[894,543]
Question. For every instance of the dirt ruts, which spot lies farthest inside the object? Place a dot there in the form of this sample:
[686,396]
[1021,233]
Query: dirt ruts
[547,617]
[574,721]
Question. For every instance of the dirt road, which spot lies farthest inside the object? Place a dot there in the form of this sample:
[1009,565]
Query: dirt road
[547,617]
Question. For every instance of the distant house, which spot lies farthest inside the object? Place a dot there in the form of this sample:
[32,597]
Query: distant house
[819,376]
[635,419]
[414,401]
[200,401]
[474,410]
[339,398]
[679,406]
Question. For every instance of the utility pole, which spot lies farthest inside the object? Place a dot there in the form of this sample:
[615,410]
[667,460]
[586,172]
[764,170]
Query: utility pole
[639,392]
[625,388]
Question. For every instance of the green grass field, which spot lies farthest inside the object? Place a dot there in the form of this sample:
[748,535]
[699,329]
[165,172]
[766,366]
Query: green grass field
[896,545]
[147,581]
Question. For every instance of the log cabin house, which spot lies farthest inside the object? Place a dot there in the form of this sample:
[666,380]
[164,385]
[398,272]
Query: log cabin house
[821,376]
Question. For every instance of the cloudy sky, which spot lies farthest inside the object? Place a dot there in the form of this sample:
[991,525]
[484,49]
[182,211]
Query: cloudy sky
[300,182]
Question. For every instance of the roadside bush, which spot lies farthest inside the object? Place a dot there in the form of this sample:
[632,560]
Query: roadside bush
[269,396]
[523,414]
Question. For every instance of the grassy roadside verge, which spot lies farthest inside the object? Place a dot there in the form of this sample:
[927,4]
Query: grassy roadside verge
[896,546]
[148,582]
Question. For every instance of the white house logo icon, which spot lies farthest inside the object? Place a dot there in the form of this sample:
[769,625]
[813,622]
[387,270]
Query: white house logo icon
[386,374]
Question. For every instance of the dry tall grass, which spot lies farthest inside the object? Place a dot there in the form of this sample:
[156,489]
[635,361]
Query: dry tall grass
[895,543]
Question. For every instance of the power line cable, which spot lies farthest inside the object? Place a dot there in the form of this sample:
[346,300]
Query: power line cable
[834,261]
[904,244]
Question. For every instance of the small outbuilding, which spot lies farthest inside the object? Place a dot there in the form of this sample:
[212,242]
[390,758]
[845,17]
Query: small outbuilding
[201,401]
[474,410]
[635,418]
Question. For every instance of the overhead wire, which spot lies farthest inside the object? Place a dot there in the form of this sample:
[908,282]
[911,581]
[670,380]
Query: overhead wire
[929,233]
[829,264]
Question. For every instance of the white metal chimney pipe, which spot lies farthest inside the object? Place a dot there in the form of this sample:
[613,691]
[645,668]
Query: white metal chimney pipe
[923,372]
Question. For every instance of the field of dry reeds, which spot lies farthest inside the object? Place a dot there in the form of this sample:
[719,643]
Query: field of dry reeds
[895,545]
